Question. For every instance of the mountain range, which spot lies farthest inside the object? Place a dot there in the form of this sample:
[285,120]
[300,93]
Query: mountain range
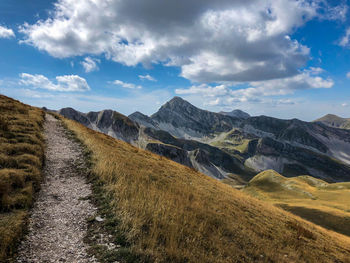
[229,145]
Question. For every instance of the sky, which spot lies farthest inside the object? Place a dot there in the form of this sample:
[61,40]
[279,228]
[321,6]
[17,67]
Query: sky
[281,58]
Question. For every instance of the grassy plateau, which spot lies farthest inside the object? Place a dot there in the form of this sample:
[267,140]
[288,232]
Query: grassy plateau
[325,204]
[21,160]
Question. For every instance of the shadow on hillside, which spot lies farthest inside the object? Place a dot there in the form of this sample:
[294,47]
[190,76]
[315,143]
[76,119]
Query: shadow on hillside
[330,221]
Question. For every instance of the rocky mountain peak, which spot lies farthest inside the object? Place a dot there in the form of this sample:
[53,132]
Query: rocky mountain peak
[137,113]
[177,104]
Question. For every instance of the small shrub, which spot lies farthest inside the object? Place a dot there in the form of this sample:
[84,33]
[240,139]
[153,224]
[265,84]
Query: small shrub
[26,160]
[4,126]
[7,161]
[301,231]
[11,229]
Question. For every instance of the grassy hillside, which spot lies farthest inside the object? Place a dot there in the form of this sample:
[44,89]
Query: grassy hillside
[310,198]
[172,213]
[232,142]
[335,121]
[21,158]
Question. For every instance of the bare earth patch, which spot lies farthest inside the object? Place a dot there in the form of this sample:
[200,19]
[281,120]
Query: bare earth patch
[57,225]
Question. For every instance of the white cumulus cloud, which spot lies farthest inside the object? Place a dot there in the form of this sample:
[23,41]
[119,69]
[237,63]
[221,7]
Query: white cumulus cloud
[67,83]
[126,85]
[6,32]
[147,77]
[345,40]
[90,64]
[211,41]
[224,95]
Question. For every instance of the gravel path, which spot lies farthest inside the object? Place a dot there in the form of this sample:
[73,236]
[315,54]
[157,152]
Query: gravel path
[57,225]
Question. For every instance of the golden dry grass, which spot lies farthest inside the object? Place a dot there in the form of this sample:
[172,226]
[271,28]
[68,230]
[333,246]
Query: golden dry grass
[175,214]
[325,204]
[21,158]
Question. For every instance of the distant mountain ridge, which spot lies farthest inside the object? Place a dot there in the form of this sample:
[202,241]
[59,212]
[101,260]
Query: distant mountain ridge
[222,146]
[236,113]
[335,121]
[107,121]
[203,157]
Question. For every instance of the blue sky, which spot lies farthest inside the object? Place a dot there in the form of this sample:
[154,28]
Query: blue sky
[283,58]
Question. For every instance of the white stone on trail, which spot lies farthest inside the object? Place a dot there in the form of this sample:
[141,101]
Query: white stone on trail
[99,219]
[58,221]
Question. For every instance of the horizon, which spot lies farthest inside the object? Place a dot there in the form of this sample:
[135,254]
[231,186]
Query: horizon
[149,115]
[285,59]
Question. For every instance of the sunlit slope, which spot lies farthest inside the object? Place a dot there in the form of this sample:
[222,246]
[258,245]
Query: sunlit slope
[21,158]
[325,204]
[335,121]
[175,214]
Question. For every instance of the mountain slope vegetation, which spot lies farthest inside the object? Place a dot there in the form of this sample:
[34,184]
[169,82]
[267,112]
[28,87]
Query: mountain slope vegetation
[171,213]
[21,159]
[310,198]
[335,121]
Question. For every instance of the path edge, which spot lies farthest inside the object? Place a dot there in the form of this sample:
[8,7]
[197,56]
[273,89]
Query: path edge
[110,226]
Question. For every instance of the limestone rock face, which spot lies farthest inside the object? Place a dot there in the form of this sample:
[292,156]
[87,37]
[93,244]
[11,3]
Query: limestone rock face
[143,119]
[106,121]
[172,152]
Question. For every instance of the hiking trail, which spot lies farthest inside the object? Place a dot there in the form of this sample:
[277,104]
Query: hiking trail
[58,220]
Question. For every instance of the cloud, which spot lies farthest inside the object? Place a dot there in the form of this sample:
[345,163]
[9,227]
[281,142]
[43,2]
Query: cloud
[139,100]
[348,75]
[223,95]
[302,81]
[338,12]
[345,104]
[345,40]
[6,32]
[126,85]
[67,83]
[205,90]
[211,41]
[147,77]
[35,94]
[90,64]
